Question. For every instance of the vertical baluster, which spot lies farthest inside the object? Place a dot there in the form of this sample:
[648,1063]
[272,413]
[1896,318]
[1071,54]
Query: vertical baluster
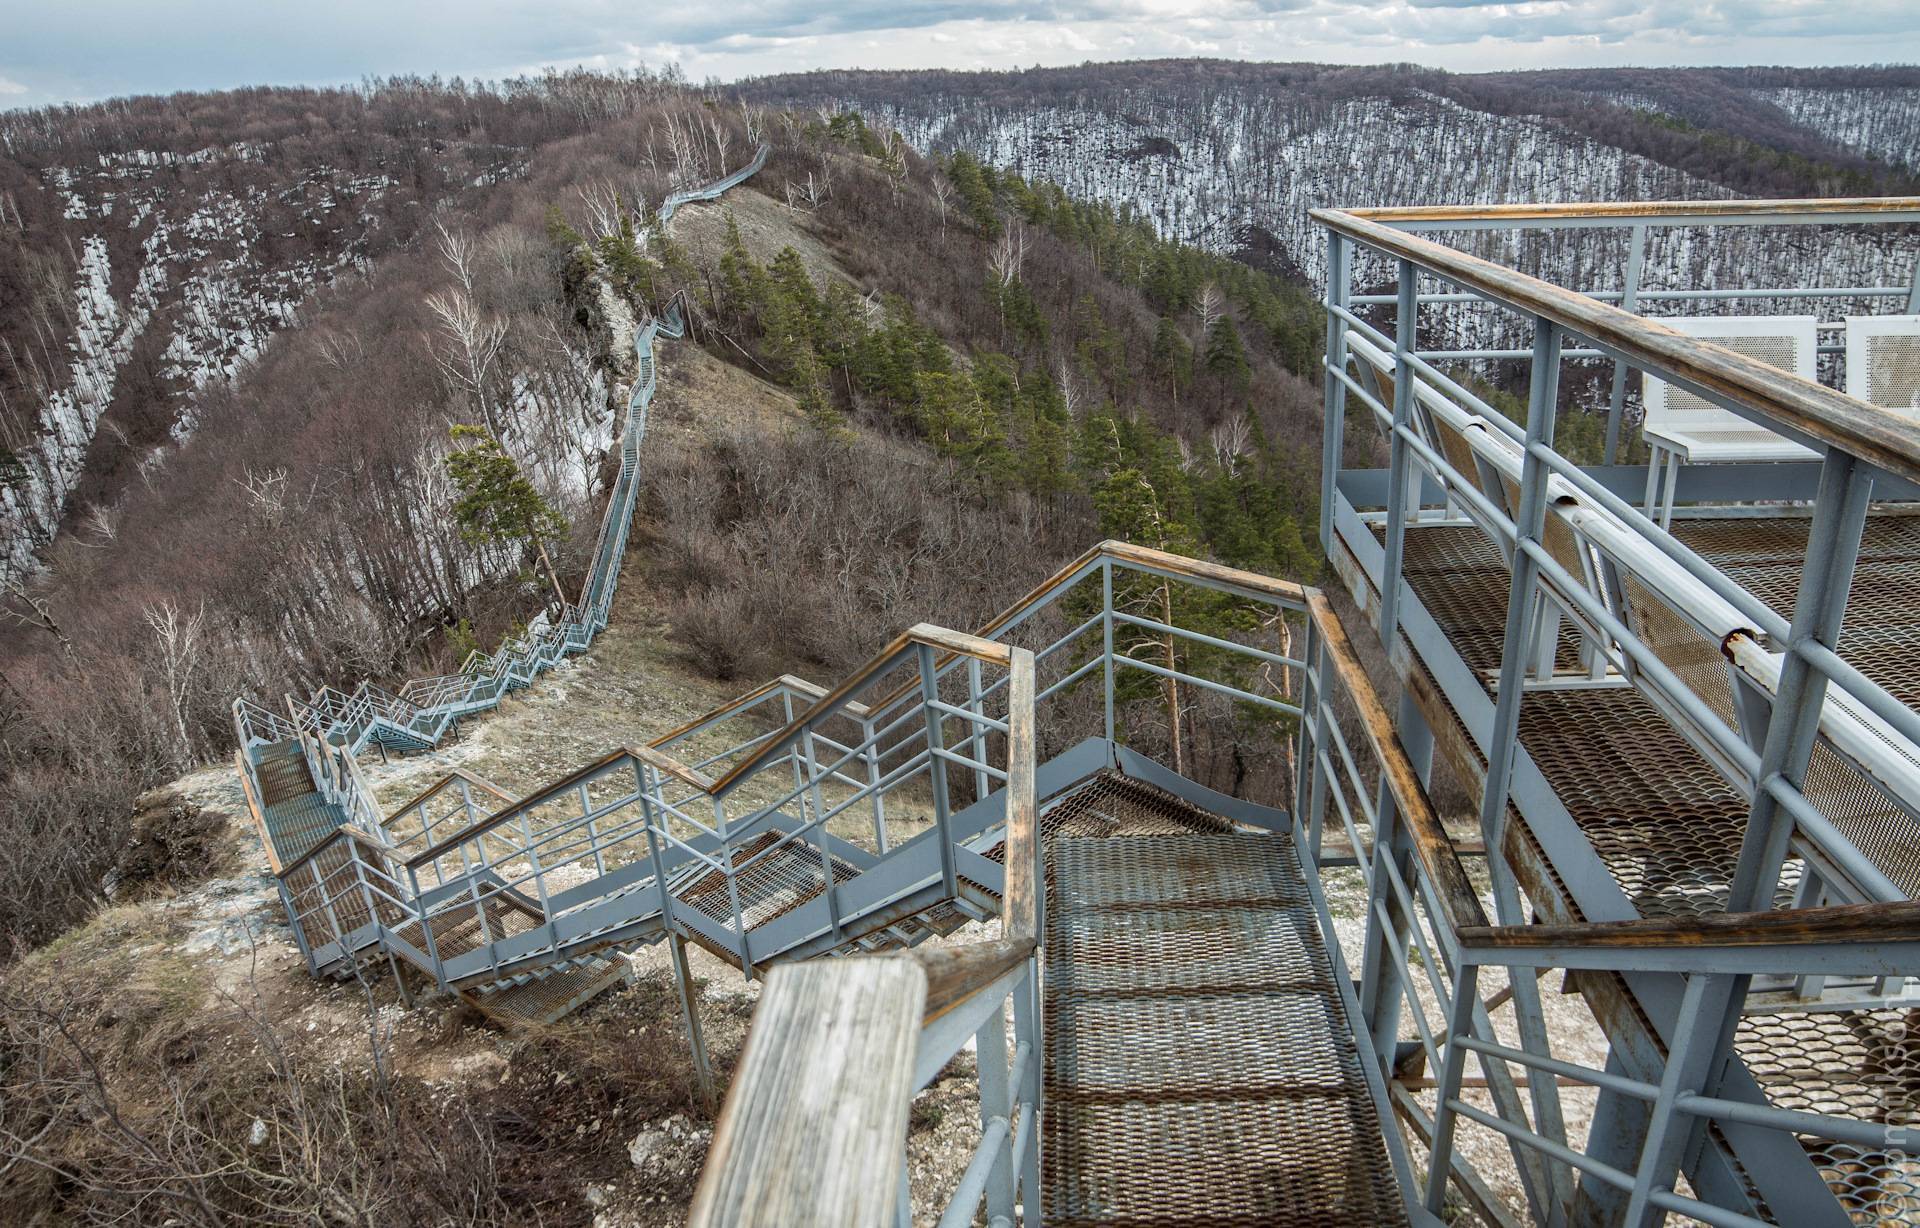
[977,739]
[937,770]
[1106,633]
[1334,413]
[593,832]
[872,757]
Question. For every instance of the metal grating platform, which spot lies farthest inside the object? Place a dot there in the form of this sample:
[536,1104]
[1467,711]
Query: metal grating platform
[1668,827]
[1200,1067]
[1860,1063]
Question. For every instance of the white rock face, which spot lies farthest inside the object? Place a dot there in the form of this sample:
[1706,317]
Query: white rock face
[207,272]
[1205,174]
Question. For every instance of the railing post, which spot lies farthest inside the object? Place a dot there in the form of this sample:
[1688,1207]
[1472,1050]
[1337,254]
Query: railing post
[1334,414]
[1027,1032]
[1833,546]
[793,760]
[1629,301]
[326,902]
[733,886]
[426,929]
[1316,807]
[977,736]
[299,929]
[593,832]
[1405,340]
[937,769]
[1529,527]
[1686,1068]
[872,759]
[1466,991]
[990,1050]
[480,904]
[1106,605]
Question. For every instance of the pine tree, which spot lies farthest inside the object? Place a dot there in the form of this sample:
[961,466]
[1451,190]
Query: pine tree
[497,504]
[1226,356]
[1172,357]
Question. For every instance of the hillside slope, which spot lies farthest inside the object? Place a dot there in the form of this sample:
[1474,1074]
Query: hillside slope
[1231,157]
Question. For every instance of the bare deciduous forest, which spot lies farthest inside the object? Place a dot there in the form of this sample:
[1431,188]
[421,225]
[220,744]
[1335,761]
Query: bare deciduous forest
[989,375]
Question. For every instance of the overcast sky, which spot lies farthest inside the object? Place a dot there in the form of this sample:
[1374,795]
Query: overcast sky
[83,50]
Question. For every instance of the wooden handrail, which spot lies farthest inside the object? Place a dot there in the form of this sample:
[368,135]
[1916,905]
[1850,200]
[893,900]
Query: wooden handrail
[1833,925]
[346,831]
[573,780]
[1879,436]
[1628,211]
[1132,555]
[955,974]
[812,1129]
[455,774]
[954,643]
[242,766]
[1431,843]
[923,633]
[747,699]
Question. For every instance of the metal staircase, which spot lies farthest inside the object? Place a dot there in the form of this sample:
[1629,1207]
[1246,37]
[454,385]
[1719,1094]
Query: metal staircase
[1694,758]
[1695,799]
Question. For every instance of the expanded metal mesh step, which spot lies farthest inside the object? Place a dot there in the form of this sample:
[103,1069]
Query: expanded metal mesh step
[1857,1063]
[1200,1067]
[300,823]
[547,999]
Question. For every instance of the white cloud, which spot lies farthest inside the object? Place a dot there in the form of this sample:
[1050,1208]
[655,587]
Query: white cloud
[87,49]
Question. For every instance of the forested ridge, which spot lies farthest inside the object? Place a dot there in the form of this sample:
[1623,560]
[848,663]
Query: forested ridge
[994,370]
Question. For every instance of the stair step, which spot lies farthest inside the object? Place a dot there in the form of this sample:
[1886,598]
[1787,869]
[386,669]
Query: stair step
[551,998]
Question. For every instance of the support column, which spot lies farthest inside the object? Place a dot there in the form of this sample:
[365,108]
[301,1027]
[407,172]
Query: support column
[1629,301]
[690,1017]
[1334,430]
[1529,527]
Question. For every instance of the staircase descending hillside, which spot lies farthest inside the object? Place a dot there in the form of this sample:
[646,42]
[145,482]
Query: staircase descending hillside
[1696,757]
[1696,800]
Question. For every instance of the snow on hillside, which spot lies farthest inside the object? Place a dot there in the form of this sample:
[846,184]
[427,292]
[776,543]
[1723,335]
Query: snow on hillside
[1205,169]
[219,263]
[1883,123]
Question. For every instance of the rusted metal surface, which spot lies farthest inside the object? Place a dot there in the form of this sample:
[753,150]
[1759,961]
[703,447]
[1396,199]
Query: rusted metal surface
[1200,1066]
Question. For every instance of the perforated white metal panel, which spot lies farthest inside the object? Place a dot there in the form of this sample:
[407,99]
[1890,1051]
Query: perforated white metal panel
[1883,361]
[1787,342]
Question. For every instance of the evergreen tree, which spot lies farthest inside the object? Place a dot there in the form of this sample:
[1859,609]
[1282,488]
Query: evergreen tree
[1172,357]
[1226,356]
[497,504]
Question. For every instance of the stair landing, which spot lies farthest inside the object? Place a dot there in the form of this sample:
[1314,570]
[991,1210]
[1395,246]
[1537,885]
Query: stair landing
[1200,1068]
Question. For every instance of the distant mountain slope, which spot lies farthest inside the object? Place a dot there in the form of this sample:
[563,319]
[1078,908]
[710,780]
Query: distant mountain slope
[1231,156]
[151,247]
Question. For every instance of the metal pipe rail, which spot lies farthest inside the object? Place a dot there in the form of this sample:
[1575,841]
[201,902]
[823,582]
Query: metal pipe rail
[1747,386]
[1622,539]
[1424,912]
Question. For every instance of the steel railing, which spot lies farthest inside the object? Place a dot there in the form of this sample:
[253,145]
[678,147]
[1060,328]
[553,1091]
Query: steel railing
[1428,941]
[1763,696]
[423,709]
